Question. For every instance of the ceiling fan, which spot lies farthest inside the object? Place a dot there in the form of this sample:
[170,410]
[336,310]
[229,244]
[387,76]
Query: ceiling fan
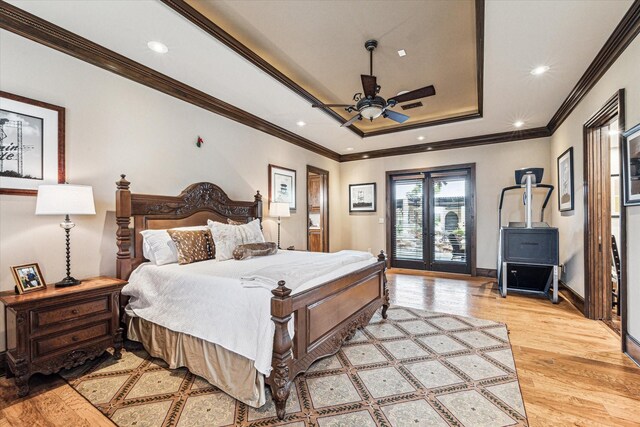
[370,105]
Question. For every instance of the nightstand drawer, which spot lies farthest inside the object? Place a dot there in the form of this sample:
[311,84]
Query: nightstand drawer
[50,316]
[70,339]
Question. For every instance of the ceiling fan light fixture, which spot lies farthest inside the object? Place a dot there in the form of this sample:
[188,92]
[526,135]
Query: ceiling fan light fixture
[372,112]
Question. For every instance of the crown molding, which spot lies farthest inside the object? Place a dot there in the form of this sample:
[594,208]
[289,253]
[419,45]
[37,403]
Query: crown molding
[20,22]
[472,141]
[624,33]
[201,21]
[41,31]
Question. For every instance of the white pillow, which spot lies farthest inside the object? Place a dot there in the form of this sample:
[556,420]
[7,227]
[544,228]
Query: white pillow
[226,237]
[158,247]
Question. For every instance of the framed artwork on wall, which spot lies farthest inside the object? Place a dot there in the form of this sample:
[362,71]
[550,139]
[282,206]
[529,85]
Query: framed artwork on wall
[282,186]
[631,165]
[28,278]
[362,197]
[31,144]
[565,181]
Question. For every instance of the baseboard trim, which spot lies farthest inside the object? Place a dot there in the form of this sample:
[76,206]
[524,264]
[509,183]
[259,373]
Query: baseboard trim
[3,363]
[632,347]
[570,295]
[487,272]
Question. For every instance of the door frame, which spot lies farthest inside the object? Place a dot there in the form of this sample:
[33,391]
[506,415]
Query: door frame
[325,205]
[471,227]
[597,297]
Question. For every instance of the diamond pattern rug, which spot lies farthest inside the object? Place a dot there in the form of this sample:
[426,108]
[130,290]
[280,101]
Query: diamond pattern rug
[417,368]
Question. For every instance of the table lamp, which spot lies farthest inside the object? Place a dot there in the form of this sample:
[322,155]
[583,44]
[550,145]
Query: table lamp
[65,199]
[279,210]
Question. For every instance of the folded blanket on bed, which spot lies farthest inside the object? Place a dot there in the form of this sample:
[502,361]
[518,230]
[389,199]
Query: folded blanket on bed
[299,272]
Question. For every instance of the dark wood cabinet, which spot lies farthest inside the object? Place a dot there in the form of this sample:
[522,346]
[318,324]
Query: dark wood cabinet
[61,327]
[315,240]
[315,197]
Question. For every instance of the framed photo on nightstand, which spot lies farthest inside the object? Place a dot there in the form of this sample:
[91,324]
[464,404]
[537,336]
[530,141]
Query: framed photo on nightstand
[28,278]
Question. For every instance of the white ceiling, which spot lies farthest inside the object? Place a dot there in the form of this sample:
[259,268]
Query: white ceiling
[519,35]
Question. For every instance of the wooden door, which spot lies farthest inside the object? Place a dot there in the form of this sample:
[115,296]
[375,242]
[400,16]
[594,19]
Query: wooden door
[317,210]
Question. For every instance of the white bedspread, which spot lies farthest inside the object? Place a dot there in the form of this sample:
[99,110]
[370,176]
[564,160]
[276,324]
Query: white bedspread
[208,300]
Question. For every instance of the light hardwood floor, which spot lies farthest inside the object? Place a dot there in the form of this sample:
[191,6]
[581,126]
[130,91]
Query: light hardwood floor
[570,368]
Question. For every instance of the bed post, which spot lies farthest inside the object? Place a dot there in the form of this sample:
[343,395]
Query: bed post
[281,311]
[123,234]
[385,290]
[258,200]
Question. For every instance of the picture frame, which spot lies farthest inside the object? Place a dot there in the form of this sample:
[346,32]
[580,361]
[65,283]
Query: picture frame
[28,278]
[282,186]
[31,144]
[362,197]
[631,166]
[565,181]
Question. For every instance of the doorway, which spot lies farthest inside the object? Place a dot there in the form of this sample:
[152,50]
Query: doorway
[605,219]
[317,209]
[432,221]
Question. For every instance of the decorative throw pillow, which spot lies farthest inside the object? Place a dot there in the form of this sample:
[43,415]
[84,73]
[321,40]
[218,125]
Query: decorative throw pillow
[254,249]
[226,237]
[193,245]
[158,247]
[234,222]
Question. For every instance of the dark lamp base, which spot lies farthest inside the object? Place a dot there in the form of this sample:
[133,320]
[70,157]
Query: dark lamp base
[67,281]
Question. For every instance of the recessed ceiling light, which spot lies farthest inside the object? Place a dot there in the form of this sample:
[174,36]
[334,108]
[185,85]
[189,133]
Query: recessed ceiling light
[421,138]
[402,52]
[402,92]
[429,148]
[540,70]
[518,124]
[366,156]
[301,123]
[349,148]
[158,47]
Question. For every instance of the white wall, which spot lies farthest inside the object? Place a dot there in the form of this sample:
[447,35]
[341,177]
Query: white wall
[116,126]
[495,165]
[623,74]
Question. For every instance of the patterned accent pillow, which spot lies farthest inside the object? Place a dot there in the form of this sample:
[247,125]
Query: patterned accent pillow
[193,245]
[254,249]
[226,237]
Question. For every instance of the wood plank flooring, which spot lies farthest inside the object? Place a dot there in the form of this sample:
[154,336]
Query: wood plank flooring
[571,370]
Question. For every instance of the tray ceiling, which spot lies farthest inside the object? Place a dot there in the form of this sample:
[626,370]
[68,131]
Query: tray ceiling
[320,46]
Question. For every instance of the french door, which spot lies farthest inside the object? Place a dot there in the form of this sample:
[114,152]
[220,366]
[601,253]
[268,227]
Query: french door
[432,220]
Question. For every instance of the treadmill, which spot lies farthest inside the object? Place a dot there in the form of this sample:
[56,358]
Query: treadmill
[528,252]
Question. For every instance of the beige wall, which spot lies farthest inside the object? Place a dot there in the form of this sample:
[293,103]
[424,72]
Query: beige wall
[622,75]
[495,165]
[116,126]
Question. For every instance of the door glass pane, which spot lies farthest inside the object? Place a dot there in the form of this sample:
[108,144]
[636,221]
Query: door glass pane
[408,225]
[449,215]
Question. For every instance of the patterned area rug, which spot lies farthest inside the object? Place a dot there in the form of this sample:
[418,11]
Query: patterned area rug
[417,368]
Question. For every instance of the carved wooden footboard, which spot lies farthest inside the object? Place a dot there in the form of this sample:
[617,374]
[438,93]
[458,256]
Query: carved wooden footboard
[325,316]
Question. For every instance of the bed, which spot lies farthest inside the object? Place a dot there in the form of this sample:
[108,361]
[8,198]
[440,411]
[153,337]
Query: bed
[309,323]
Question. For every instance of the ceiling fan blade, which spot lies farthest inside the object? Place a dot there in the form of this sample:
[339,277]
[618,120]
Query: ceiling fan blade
[350,122]
[396,117]
[414,94]
[330,105]
[369,85]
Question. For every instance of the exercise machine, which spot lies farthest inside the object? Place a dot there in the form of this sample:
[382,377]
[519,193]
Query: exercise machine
[528,251]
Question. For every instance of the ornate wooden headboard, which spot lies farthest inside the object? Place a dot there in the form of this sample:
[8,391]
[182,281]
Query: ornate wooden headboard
[194,206]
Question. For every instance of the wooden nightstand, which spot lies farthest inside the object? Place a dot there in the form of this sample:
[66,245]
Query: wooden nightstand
[61,327]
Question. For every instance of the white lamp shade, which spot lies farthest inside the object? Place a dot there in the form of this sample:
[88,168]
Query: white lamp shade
[65,199]
[277,209]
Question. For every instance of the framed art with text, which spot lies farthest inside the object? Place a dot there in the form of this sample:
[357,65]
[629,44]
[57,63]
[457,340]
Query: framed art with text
[631,165]
[31,144]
